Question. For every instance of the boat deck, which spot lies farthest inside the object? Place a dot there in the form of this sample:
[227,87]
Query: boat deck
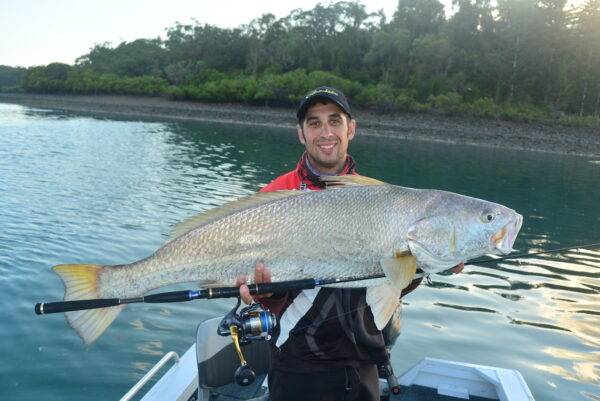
[421,393]
[233,392]
[429,380]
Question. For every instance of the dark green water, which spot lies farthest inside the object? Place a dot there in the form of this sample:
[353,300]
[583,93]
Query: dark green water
[78,189]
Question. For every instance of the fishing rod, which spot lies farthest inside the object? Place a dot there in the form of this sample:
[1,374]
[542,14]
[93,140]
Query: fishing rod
[44,308]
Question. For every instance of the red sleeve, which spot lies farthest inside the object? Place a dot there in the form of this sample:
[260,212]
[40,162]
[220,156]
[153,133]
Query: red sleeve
[287,181]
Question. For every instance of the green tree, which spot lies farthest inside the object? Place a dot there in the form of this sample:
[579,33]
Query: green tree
[388,52]
[137,58]
[11,77]
[587,36]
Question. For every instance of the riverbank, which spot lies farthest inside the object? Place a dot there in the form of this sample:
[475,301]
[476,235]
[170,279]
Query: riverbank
[425,127]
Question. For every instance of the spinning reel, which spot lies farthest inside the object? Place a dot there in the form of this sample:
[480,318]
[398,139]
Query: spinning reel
[250,324]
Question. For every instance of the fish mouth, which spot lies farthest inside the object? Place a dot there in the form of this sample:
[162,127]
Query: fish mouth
[504,239]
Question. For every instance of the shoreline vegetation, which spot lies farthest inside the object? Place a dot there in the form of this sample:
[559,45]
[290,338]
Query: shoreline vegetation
[460,130]
[515,60]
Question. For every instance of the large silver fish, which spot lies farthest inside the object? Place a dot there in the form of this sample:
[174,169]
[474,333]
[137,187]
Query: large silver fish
[364,227]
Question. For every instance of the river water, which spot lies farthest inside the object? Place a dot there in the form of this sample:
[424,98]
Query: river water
[107,191]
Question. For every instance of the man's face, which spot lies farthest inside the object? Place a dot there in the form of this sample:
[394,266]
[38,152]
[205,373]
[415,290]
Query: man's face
[325,133]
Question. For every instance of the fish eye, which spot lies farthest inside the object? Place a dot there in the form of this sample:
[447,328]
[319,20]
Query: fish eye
[488,217]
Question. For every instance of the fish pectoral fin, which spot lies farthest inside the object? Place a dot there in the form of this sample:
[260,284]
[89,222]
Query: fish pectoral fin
[83,282]
[337,181]
[399,270]
[384,301]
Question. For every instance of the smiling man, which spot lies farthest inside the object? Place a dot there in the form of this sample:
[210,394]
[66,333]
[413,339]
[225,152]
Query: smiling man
[325,127]
[326,345]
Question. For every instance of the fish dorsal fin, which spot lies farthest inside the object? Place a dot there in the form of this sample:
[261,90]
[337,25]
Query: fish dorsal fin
[254,200]
[337,181]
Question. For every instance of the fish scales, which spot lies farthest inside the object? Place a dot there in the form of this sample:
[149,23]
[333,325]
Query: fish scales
[337,233]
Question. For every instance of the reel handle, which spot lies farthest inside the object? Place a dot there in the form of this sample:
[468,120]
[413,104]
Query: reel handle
[244,375]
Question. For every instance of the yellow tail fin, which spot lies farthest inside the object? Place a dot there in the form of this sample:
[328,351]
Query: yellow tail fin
[82,282]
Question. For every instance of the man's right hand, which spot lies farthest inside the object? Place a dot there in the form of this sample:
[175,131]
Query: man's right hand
[261,275]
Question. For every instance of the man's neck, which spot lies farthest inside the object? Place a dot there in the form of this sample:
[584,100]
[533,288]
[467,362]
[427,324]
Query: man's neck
[324,171]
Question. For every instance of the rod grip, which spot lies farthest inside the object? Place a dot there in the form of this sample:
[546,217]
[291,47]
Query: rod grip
[173,296]
[284,286]
[257,289]
[44,308]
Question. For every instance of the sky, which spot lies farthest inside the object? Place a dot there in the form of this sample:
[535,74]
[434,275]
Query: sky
[39,32]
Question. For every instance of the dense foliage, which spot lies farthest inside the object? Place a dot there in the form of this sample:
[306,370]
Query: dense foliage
[11,78]
[517,59]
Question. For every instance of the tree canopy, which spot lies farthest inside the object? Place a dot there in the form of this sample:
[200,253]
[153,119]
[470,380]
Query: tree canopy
[490,58]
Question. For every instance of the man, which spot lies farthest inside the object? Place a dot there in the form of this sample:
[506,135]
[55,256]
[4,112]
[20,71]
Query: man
[326,346]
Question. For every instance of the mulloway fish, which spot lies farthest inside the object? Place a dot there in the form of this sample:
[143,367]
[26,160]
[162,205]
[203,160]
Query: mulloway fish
[361,227]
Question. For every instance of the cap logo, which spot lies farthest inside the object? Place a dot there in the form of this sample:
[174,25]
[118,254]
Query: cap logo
[317,91]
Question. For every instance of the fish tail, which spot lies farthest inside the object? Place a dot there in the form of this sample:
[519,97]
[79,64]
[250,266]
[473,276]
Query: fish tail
[83,282]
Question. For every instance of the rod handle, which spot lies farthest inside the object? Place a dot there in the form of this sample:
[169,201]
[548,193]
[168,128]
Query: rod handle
[44,308]
[263,288]
[173,296]
[257,289]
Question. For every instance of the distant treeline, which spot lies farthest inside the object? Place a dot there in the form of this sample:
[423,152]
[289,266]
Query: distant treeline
[11,78]
[516,59]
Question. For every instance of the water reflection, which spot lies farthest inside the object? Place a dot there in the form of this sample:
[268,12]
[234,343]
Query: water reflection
[590,396]
[465,308]
[151,348]
[583,366]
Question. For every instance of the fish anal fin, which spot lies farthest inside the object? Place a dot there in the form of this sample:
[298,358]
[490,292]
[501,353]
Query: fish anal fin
[336,181]
[400,269]
[227,209]
[384,301]
[83,282]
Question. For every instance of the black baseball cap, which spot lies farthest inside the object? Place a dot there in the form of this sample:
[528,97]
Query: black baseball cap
[322,93]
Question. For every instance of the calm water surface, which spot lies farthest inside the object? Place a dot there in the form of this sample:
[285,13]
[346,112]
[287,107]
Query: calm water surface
[84,190]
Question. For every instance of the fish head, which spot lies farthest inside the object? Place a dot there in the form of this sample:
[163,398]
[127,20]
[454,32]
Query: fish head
[458,228]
